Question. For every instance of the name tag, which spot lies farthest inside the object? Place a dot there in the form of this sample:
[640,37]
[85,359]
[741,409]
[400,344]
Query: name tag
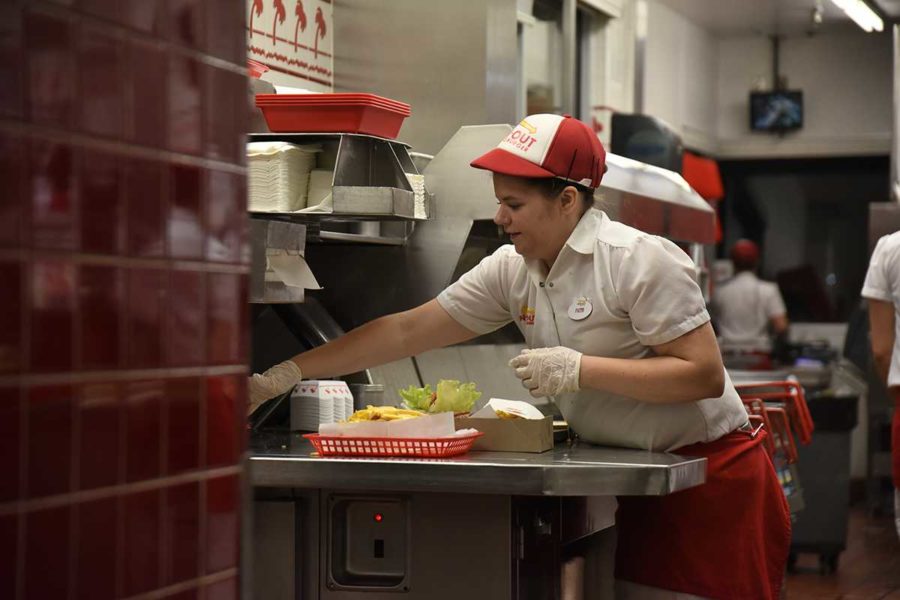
[580,309]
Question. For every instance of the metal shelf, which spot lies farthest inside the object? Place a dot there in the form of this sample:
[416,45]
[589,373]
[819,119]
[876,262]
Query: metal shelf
[370,179]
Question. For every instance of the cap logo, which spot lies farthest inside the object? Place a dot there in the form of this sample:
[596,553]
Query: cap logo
[521,140]
[528,127]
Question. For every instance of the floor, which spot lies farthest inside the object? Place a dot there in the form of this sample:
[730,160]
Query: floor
[869,569]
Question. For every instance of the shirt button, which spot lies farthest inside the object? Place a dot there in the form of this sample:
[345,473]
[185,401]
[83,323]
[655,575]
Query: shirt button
[542,284]
[550,284]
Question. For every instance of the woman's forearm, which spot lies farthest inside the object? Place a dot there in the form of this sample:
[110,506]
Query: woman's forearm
[657,380]
[384,340]
[377,342]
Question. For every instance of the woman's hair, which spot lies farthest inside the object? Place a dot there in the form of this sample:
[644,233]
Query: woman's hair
[551,187]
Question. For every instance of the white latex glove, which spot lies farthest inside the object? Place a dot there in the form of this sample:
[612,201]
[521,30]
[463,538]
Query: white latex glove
[548,371]
[273,382]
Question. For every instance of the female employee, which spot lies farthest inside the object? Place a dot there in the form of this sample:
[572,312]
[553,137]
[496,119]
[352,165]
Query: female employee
[620,337]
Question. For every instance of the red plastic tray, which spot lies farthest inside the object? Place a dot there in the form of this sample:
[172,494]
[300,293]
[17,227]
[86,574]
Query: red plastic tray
[323,113]
[410,447]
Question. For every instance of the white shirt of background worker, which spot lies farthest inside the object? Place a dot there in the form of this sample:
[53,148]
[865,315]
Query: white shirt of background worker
[620,337]
[882,289]
[746,309]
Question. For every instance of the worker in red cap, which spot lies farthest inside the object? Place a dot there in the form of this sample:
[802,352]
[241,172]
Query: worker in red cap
[619,338]
[749,313]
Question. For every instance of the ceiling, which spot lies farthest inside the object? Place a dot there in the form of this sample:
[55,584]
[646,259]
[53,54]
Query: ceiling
[726,18]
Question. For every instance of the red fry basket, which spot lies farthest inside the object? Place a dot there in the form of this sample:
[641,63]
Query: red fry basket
[382,447]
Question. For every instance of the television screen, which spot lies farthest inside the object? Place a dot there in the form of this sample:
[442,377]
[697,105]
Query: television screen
[776,111]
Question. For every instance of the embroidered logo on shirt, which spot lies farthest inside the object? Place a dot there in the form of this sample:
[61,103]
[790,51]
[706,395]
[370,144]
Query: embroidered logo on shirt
[527,315]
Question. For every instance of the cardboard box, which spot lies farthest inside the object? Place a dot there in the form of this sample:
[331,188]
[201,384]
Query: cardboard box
[511,435]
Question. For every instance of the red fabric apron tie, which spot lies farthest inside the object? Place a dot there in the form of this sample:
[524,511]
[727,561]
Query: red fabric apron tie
[728,538]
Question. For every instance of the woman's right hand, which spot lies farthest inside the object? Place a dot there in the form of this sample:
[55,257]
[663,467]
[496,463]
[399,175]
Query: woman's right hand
[274,382]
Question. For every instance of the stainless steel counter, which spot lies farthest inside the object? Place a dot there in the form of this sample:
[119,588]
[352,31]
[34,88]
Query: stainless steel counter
[281,460]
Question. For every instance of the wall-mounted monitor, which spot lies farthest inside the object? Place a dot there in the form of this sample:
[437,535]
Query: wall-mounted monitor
[776,111]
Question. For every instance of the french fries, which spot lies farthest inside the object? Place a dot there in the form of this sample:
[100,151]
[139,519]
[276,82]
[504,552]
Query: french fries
[383,413]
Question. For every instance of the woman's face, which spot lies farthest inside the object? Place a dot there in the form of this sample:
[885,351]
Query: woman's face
[537,226]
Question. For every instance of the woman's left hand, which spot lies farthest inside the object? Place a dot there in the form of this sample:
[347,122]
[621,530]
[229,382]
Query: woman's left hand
[548,371]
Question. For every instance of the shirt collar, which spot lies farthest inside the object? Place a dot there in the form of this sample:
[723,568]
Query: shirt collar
[584,236]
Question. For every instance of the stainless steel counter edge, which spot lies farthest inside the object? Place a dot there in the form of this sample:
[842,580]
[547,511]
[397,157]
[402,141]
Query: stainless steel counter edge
[585,471]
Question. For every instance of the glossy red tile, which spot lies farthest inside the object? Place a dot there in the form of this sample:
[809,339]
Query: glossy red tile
[100,436]
[47,547]
[11,59]
[145,15]
[9,546]
[183,402]
[222,590]
[185,227]
[144,323]
[226,123]
[53,196]
[96,550]
[52,69]
[226,216]
[182,532]
[226,36]
[224,422]
[11,341]
[14,174]
[102,214]
[102,90]
[224,307]
[148,81]
[142,552]
[185,105]
[186,312]
[222,534]
[11,440]
[50,441]
[100,293]
[143,430]
[146,197]
[185,22]
[52,304]
[105,9]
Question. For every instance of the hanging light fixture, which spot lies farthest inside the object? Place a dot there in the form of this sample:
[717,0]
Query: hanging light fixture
[861,13]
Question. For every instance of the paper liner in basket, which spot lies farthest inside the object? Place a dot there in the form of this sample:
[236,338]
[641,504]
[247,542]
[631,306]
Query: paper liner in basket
[427,426]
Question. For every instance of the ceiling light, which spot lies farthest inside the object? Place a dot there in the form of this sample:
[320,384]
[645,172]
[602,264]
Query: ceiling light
[862,13]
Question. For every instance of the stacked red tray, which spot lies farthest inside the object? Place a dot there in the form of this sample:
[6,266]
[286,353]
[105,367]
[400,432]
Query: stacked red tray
[333,113]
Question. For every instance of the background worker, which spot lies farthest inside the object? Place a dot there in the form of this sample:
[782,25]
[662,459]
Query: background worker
[749,313]
[882,290]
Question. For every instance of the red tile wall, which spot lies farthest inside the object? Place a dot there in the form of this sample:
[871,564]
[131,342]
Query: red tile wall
[123,321]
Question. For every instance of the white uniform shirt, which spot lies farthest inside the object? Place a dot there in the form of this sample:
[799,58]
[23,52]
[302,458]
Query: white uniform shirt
[641,292]
[743,307]
[883,283]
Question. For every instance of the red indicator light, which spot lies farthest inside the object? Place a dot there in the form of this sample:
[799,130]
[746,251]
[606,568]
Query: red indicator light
[379,517]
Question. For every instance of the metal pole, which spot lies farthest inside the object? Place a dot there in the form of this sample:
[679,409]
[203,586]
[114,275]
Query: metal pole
[895,142]
[569,34]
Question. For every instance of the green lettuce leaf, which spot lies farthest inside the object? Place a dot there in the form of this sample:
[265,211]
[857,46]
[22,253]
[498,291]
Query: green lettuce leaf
[417,398]
[454,397]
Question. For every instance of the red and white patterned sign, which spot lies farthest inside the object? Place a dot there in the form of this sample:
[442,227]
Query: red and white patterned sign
[294,39]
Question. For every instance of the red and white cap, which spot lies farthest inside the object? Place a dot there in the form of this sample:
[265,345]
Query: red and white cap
[549,146]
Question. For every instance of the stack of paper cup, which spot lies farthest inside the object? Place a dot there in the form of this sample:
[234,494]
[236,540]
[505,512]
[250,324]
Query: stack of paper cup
[316,402]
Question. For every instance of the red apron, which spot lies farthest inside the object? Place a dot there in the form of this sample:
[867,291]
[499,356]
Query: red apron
[728,538]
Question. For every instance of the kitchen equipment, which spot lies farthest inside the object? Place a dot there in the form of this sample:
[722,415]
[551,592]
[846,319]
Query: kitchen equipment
[365,394]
